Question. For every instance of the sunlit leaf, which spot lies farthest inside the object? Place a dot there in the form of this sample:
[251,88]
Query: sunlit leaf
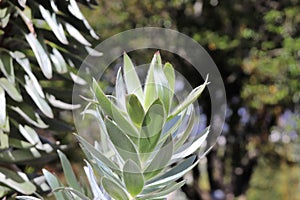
[2,107]
[18,181]
[10,89]
[131,78]
[38,100]
[195,93]
[41,55]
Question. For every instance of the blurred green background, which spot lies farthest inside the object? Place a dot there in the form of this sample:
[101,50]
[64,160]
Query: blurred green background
[256,46]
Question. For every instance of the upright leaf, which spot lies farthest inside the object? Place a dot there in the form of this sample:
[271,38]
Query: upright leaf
[149,88]
[135,109]
[131,78]
[151,129]
[133,178]
[113,111]
[120,90]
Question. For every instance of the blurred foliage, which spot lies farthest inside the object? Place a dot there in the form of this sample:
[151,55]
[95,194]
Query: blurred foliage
[255,44]
[42,44]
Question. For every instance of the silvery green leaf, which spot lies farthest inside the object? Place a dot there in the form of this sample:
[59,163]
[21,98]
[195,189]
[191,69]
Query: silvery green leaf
[135,109]
[56,28]
[25,64]
[74,9]
[2,107]
[160,160]
[170,75]
[183,136]
[54,184]
[38,100]
[120,90]
[113,189]
[60,104]
[22,3]
[123,144]
[76,34]
[68,172]
[58,61]
[151,129]
[92,150]
[113,111]
[131,78]
[18,181]
[174,173]
[164,192]
[78,80]
[40,54]
[4,144]
[75,193]
[172,125]
[150,88]
[30,135]
[97,193]
[19,144]
[93,52]
[6,66]
[188,149]
[133,178]
[195,93]
[38,122]
[27,198]
[11,90]
[161,82]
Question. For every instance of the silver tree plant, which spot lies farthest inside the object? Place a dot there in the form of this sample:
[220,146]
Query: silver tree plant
[144,150]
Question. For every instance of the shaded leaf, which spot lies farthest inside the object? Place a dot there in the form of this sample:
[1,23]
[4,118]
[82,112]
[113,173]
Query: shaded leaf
[113,189]
[160,160]
[133,178]
[151,129]
[122,142]
[135,109]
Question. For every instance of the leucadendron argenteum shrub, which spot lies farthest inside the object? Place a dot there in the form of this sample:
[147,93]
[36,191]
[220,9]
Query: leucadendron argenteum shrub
[144,149]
